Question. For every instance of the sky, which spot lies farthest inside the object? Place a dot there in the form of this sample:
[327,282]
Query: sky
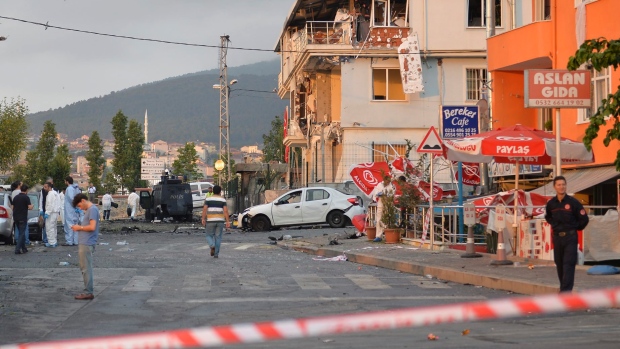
[51,68]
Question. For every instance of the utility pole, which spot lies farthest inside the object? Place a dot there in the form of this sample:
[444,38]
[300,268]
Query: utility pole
[224,92]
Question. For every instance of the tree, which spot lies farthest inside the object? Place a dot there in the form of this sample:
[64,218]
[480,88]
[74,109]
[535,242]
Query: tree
[39,160]
[95,159]
[601,53]
[120,162]
[14,131]
[60,166]
[185,164]
[110,183]
[135,143]
[273,146]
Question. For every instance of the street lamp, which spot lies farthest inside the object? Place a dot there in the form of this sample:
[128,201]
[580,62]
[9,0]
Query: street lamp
[225,121]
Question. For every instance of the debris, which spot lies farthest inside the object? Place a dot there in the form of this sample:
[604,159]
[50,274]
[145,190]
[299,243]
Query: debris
[122,243]
[327,340]
[530,267]
[342,257]
[465,332]
[104,243]
[432,337]
[429,276]
[286,237]
[334,241]
[63,263]
[68,255]
[517,264]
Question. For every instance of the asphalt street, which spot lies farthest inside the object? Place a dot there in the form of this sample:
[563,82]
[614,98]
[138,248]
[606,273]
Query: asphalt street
[166,280]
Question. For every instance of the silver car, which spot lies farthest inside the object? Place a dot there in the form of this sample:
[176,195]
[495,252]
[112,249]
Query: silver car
[6,218]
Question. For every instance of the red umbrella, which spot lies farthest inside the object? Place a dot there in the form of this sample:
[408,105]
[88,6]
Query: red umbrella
[507,198]
[366,176]
[516,144]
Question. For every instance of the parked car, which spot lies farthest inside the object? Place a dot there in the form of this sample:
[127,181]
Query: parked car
[6,218]
[199,192]
[316,205]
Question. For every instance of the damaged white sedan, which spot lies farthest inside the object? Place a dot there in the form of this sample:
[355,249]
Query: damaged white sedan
[316,205]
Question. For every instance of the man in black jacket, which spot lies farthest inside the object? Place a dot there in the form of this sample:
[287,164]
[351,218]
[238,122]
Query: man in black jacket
[20,207]
[566,215]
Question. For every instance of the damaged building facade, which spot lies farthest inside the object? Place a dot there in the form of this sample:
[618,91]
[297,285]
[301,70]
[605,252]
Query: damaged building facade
[362,76]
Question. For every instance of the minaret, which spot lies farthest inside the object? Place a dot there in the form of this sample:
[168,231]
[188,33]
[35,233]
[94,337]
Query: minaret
[146,127]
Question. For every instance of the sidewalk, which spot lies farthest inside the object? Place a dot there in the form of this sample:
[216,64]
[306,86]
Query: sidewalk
[449,266]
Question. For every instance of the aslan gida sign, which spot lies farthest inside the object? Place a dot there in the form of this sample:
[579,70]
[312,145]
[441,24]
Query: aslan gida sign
[545,88]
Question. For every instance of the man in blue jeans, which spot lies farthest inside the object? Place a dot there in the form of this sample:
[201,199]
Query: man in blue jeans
[214,214]
[88,232]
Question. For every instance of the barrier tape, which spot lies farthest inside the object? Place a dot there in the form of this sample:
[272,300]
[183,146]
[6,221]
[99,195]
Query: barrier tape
[329,325]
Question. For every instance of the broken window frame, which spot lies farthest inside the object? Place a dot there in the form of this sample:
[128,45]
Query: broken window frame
[475,81]
[389,16]
[379,151]
[483,19]
[387,86]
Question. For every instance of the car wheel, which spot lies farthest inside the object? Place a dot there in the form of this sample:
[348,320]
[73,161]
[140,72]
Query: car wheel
[335,219]
[261,223]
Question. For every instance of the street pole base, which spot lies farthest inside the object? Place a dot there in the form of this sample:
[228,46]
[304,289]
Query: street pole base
[502,262]
[471,255]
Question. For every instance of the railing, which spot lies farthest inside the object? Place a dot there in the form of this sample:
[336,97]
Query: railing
[447,229]
[323,33]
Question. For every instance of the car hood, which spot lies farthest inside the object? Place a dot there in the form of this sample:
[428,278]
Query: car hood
[264,208]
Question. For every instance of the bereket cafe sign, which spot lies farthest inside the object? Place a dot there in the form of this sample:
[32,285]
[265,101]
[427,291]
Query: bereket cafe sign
[546,88]
[459,121]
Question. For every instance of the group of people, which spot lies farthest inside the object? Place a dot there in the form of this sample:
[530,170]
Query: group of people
[80,222]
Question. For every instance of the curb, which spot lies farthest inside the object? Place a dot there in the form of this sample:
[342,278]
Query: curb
[443,273]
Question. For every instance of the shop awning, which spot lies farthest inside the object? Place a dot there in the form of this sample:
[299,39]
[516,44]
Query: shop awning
[581,179]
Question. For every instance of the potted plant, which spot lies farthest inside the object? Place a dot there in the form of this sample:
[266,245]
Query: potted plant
[389,219]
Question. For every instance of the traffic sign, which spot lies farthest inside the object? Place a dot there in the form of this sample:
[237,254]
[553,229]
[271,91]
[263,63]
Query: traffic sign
[500,217]
[152,163]
[150,177]
[154,170]
[469,213]
[431,143]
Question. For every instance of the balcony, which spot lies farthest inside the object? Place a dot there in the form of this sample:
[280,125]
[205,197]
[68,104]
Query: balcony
[295,136]
[527,47]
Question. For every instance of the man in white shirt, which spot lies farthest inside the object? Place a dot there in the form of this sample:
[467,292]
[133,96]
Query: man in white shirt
[383,188]
[106,202]
[92,190]
[52,209]
[133,200]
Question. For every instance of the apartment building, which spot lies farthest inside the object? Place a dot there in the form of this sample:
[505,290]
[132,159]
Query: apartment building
[548,33]
[364,75]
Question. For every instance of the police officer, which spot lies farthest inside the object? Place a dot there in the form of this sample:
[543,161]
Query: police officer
[566,215]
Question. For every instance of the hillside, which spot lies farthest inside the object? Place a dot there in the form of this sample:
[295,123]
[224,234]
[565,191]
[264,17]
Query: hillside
[180,109]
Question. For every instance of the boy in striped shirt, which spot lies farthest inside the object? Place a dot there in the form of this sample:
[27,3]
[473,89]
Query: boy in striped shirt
[214,214]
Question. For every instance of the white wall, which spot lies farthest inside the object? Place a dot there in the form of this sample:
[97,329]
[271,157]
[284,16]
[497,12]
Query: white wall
[418,111]
[442,25]
[454,79]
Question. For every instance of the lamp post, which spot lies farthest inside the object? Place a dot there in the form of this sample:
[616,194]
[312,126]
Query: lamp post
[219,166]
[225,123]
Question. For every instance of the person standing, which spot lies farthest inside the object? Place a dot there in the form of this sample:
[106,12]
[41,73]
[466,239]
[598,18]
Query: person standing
[383,188]
[214,214]
[72,217]
[61,195]
[566,216]
[21,205]
[52,210]
[92,190]
[132,202]
[209,193]
[88,232]
[106,203]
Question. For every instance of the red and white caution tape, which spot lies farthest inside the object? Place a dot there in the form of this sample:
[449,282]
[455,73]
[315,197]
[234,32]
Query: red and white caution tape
[329,325]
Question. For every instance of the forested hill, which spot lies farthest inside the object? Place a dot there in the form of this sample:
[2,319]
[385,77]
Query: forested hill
[180,109]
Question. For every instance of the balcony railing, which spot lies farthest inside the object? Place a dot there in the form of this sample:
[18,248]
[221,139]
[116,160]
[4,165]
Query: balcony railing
[323,33]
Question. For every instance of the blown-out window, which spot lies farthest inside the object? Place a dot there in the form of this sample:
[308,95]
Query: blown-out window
[387,85]
[476,79]
[476,13]
[380,151]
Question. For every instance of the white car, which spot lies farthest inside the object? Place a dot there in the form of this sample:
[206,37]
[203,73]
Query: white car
[316,205]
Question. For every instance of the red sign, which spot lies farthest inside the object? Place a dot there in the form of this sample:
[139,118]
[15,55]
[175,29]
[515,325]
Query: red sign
[471,173]
[546,88]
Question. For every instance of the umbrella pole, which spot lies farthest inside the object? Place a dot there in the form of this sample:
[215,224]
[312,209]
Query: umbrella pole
[514,210]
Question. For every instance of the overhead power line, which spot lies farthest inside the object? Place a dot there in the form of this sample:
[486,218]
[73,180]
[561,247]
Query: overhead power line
[47,25]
